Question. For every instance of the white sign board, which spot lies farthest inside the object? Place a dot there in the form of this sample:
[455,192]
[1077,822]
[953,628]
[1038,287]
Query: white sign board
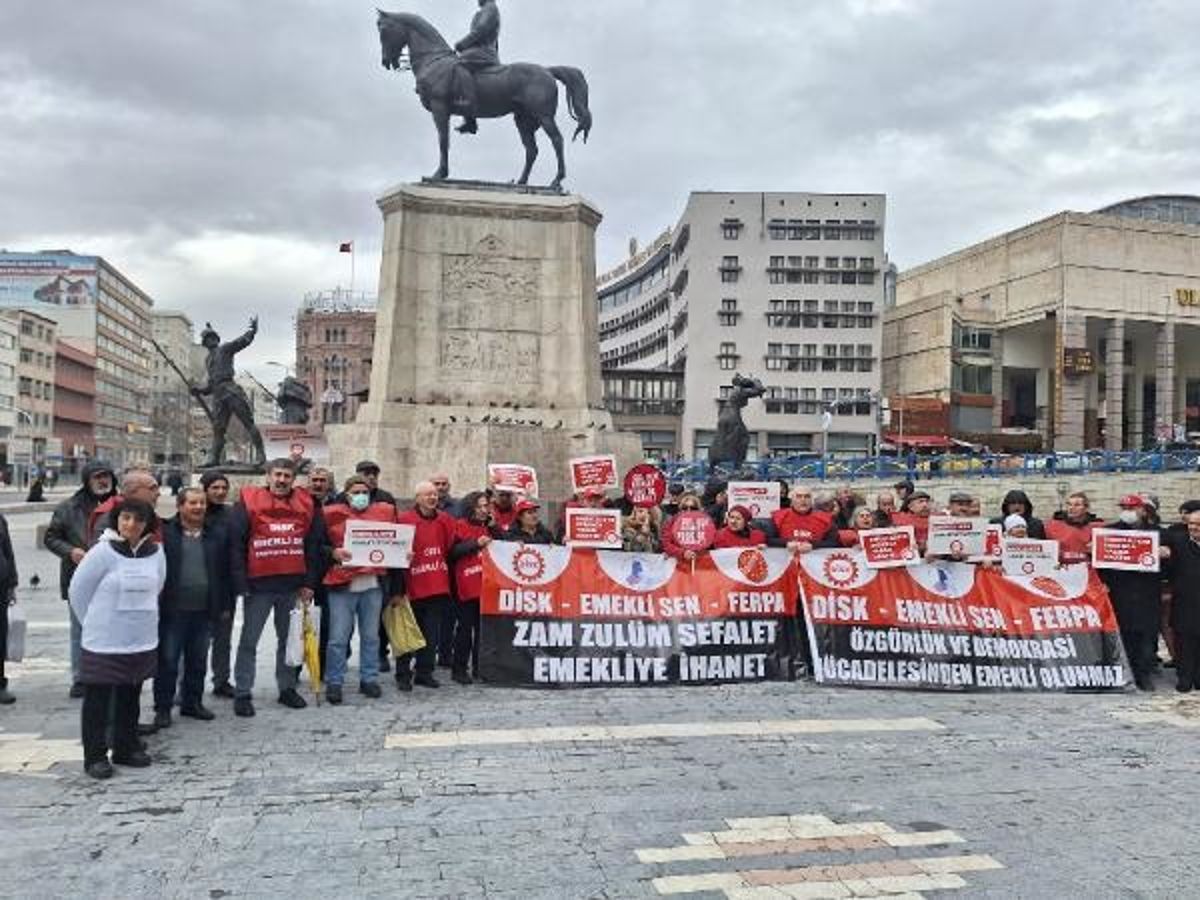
[378,545]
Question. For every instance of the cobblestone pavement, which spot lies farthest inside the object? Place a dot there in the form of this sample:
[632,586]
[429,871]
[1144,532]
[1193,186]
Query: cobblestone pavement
[775,790]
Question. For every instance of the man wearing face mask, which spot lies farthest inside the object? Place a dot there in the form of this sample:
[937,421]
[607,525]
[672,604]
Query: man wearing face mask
[1137,598]
[355,593]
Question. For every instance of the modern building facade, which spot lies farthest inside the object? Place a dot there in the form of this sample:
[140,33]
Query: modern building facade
[36,338]
[105,312]
[786,287]
[74,403]
[1075,329]
[335,341]
[8,385]
[170,411]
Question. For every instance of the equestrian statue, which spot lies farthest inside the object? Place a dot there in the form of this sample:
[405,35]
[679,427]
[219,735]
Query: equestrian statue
[468,80]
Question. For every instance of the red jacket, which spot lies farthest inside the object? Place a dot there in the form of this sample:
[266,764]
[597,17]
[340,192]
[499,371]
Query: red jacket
[727,537]
[1074,540]
[920,525]
[468,568]
[276,532]
[429,575]
[811,527]
[503,519]
[336,517]
[848,537]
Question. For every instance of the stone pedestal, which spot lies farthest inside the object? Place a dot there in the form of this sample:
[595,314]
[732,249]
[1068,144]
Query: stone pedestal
[487,311]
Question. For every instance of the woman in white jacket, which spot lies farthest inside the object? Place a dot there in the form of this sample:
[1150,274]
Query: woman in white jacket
[114,594]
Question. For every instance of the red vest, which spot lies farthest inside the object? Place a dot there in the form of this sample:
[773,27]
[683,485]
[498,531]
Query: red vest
[1074,541]
[336,517]
[468,571]
[429,575]
[727,537]
[810,527]
[277,530]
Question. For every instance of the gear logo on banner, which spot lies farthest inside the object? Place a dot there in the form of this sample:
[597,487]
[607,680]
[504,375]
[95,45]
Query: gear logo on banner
[529,564]
[840,569]
[753,565]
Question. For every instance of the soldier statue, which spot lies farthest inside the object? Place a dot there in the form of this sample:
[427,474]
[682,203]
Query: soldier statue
[479,50]
[295,400]
[228,398]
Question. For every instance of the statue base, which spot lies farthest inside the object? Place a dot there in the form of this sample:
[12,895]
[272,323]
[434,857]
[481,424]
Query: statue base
[235,468]
[487,310]
[507,187]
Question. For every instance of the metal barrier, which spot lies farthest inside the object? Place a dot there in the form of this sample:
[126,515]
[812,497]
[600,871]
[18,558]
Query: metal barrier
[949,465]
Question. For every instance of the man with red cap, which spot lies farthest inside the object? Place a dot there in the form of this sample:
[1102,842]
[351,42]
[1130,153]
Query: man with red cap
[1137,597]
[528,528]
[738,532]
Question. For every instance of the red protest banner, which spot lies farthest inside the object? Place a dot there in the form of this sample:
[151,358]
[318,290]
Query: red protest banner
[593,528]
[957,626]
[645,485]
[1125,549]
[889,548]
[593,472]
[562,616]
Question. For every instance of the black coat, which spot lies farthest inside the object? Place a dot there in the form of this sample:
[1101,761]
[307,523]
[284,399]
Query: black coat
[221,595]
[68,526]
[1136,596]
[1184,570]
[541,536]
[8,566]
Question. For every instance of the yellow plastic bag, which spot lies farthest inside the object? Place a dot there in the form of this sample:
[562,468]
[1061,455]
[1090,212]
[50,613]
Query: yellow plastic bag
[404,634]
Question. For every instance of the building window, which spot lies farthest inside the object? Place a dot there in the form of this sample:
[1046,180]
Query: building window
[731,229]
[728,356]
[777,229]
[730,270]
[968,379]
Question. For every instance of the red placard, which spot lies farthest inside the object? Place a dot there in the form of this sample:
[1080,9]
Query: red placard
[645,485]
[889,548]
[593,472]
[693,530]
[593,528]
[1127,550]
[518,479]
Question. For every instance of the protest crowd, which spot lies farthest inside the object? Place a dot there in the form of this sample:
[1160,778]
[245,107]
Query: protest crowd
[154,600]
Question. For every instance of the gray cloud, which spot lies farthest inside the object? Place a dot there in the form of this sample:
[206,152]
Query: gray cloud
[217,150]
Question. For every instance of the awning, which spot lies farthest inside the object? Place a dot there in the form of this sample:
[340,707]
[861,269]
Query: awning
[919,441]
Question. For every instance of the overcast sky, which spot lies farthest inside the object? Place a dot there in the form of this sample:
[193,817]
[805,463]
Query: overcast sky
[217,151]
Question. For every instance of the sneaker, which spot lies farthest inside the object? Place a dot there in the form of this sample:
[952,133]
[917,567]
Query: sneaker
[404,682]
[224,689]
[370,689]
[138,759]
[460,676]
[385,664]
[292,700]
[199,711]
[101,770]
[333,693]
[76,692]
[6,699]
[244,707]
[427,681]
[162,719]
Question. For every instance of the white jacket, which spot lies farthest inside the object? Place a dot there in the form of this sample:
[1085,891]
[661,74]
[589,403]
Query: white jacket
[116,597]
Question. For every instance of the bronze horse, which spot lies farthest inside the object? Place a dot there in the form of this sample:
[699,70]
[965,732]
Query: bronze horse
[525,91]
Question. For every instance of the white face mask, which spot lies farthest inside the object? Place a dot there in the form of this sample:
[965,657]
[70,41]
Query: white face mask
[1129,516]
[359,502]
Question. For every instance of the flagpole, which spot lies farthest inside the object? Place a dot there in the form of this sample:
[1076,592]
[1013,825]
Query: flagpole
[352,271]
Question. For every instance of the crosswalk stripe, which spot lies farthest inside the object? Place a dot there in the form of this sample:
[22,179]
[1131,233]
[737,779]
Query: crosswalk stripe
[703,849]
[652,731]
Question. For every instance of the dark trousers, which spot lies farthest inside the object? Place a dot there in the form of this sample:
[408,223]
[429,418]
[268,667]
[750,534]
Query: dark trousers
[3,640]
[429,614]
[321,599]
[1187,663]
[446,642]
[466,635]
[1141,648]
[97,699]
[222,649]
[181,636]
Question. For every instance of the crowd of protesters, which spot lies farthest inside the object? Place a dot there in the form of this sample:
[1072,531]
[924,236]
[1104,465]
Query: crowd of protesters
[155,600]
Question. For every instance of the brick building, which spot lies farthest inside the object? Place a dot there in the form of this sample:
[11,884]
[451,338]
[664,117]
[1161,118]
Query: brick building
[75,402]
[335,341]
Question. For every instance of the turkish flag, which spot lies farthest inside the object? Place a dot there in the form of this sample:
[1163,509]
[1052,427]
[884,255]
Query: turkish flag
[347,247]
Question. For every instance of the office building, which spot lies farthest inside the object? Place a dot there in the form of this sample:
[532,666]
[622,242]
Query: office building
[74,403]
[785,287]
[1071,331]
